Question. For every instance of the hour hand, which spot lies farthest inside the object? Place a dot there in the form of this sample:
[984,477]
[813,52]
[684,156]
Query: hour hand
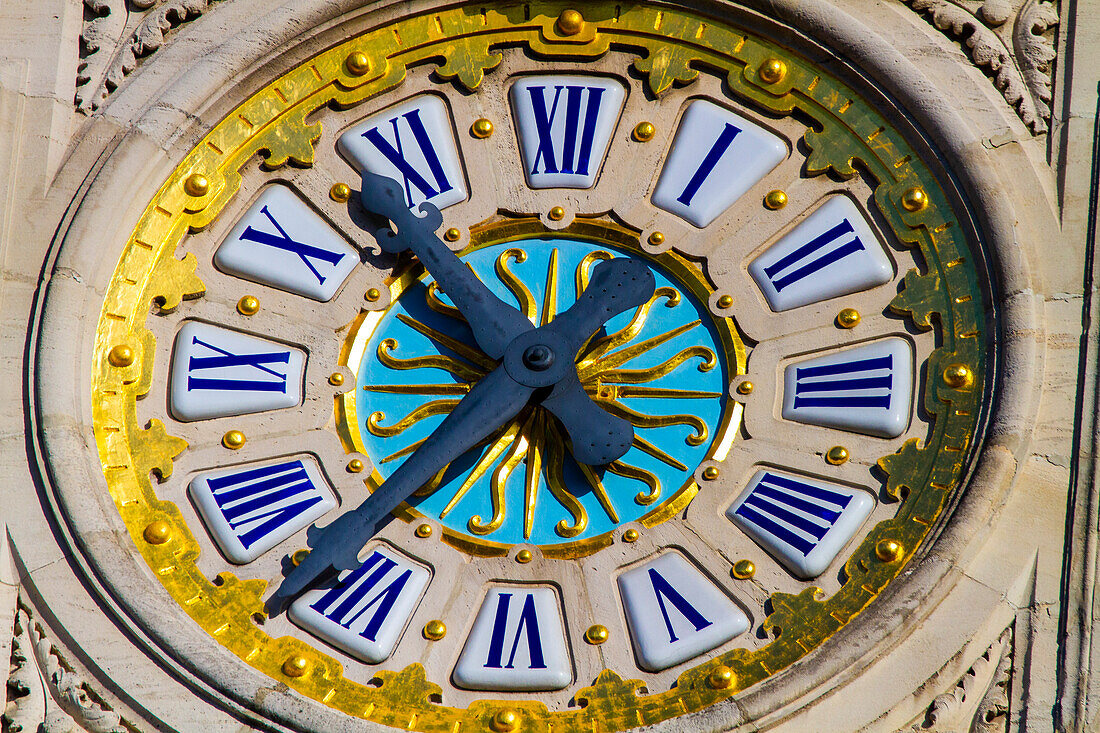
[494,323]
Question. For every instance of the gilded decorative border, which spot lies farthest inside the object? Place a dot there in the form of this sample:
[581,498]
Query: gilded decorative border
[672,46]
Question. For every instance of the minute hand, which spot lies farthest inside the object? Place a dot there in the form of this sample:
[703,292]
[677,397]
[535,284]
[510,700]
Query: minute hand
[494,323]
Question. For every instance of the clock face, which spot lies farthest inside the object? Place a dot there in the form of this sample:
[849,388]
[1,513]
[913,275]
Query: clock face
[804,386]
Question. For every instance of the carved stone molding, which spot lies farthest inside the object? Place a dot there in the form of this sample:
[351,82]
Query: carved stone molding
[117,34]
[1011,40]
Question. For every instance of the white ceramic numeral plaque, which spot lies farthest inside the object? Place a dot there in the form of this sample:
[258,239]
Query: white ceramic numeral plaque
[412,143]
[564,125]
[675,613]
[283,243]
[250,509]
[802,522]
[832,252]
[365,612]
[716,157]
[217,372]
[517,643]
[867,389]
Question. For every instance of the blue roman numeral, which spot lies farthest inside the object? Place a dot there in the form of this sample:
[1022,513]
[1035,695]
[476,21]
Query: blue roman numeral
[772,500]
[663,590]
[795,266]
[573,159]
[254,499]
[528,621]
[285,242]
[342,603]
[717,150]
[225,360]
[395,153]
[843,377]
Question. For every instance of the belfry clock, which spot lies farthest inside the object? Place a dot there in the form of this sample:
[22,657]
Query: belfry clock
[533,368]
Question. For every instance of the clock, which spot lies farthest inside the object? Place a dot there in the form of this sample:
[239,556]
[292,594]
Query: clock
[686,364]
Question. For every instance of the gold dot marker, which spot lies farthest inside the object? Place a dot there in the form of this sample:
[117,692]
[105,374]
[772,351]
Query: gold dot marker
[295,666]
[157,532]
[452,234]
[506,720]
[773,71]
[423,531]
[596,634]
[340,193]
[958,376]
[657,239]
[848,318]
[644,132]
[299,557]
[249,305]
[915,199]
[837,455]
[570,22]
[196,185]
[710,473]
[556,214]
[435,630]
[233,440]
[357,63]
[482,128]
[121,356]
[356,466]
[745,387]
[631,535]
[775,200]
[743,569]
[336,379]
[373,294]
[524,556]
[725,301]
[720,679]
[888,550]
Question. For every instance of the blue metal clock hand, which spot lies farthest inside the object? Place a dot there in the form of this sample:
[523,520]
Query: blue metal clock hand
[493,322]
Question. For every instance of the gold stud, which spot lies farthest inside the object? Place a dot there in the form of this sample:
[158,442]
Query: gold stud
[631,535]
[423,531]
[249,305]
[340,193]
[721,678]
[336,379]
[435,630]
[656,239]
[710,473]
[357,63]
[121,356]
[570,22]
[233,440]
[725,301]
[373,294]
[157,532]
[915,199]
[356,466]
[596,634]
[524,556]
[556,214]
[848,318]
[743,569]
[452,234]
[773,71]
[775,199]
[482,128]
[505,721]
[196,185]
[888,550]
[958,376]
[299,557]
[745,387]
[837,455]
[644,132]
[295,666]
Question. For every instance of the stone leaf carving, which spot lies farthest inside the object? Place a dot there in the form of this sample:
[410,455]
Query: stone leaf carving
[1018,55]
[117,34]
[978,703]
